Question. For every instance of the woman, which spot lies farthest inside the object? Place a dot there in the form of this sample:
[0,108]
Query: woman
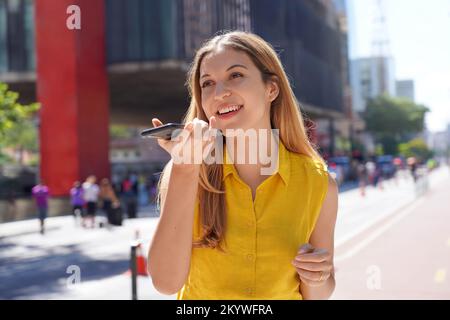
[108,198]
[227,231]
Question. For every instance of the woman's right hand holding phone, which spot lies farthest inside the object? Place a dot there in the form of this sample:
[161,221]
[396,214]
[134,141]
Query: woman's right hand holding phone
[170,252]
[192,145]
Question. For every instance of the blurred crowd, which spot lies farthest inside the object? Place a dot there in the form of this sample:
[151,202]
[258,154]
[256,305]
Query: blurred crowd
[113,199]
[376,169]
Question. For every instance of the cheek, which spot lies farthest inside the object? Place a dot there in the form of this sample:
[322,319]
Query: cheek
[208,113]
[205,101]
[207,93]
[255,103]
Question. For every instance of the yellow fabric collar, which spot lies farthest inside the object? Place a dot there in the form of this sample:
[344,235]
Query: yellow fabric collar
[284,164]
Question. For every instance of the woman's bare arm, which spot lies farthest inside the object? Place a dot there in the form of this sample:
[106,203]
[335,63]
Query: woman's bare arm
[169,256]
[314,261]
[170,251]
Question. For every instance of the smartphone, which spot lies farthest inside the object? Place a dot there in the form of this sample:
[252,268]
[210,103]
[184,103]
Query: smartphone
[163,132]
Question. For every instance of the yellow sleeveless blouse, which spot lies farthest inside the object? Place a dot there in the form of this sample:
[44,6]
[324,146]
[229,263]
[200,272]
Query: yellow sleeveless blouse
[261,236]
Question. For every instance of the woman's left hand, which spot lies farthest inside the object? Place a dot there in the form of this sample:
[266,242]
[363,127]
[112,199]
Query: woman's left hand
[314,266]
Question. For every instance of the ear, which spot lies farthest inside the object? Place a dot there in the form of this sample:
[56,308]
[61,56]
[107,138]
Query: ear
[273,89]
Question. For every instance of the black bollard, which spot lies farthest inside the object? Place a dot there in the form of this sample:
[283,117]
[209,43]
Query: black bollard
[133,272]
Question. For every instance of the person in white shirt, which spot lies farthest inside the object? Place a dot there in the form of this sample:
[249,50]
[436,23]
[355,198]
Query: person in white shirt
[90,194]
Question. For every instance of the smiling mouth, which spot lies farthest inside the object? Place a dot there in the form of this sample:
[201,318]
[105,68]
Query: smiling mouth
[233,109]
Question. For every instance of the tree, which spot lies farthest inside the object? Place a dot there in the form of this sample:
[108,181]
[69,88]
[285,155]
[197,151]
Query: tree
[415,148]
[393,120]
[16,124]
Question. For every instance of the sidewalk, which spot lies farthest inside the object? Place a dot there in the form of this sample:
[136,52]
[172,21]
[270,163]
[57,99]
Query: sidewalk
[33,266]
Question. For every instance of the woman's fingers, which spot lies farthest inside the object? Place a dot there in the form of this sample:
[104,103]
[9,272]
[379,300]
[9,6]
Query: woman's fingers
[312,266]
[318,255]
[315,276]
[156,122]
[305,248]
[212,122]
[198,136]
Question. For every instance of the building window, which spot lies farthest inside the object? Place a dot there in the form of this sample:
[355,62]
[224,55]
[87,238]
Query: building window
[3,38]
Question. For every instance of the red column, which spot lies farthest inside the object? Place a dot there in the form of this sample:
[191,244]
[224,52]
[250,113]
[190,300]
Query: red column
[72,87]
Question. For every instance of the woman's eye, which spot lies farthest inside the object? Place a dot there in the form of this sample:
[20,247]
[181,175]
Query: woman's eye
[205,84]
[236,75]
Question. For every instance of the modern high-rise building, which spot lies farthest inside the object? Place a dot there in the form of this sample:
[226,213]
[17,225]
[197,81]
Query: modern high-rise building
[368,82]
[405,89]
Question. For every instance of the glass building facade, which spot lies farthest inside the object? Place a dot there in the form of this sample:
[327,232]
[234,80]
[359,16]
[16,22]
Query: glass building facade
[309,45]
[16,36]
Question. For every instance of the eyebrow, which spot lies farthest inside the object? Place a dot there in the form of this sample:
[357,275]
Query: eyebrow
[233,66]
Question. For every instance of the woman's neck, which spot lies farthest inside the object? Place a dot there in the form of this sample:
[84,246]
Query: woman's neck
[255,152]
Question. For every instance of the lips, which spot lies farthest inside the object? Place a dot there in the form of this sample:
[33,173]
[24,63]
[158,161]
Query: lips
[228,113]
[228,108]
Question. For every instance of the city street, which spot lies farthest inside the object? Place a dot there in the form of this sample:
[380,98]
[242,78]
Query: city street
[391,244]
[405,256]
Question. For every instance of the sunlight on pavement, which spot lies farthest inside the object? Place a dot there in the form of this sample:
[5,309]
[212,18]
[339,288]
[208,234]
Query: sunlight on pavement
[439,276]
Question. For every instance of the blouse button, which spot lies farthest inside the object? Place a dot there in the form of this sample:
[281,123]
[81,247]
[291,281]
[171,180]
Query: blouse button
[250,257]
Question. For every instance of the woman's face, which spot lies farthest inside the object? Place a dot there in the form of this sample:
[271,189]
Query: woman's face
[233,91]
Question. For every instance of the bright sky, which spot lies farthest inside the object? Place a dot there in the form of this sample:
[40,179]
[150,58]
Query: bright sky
[419,34]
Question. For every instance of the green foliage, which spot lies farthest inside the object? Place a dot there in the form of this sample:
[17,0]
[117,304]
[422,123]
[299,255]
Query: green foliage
[17,129]
[379,150]
[22,135]
[4,158]
[12,113]
[393,120]
[415,148]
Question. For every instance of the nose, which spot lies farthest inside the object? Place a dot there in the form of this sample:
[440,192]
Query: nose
[221,91]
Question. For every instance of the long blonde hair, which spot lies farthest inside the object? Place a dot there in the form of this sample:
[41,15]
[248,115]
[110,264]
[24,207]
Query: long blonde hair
[285,115]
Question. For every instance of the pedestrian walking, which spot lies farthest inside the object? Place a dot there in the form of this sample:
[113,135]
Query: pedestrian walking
[412,164]
[77,201]
[108,199]
[370,168]
[130,193]
[41,194]
[362,178]
[90,194]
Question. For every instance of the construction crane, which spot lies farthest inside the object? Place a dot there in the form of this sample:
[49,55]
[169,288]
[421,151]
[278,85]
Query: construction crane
[380,43]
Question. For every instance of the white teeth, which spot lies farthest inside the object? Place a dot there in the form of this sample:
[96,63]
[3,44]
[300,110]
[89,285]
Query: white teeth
[228,109]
